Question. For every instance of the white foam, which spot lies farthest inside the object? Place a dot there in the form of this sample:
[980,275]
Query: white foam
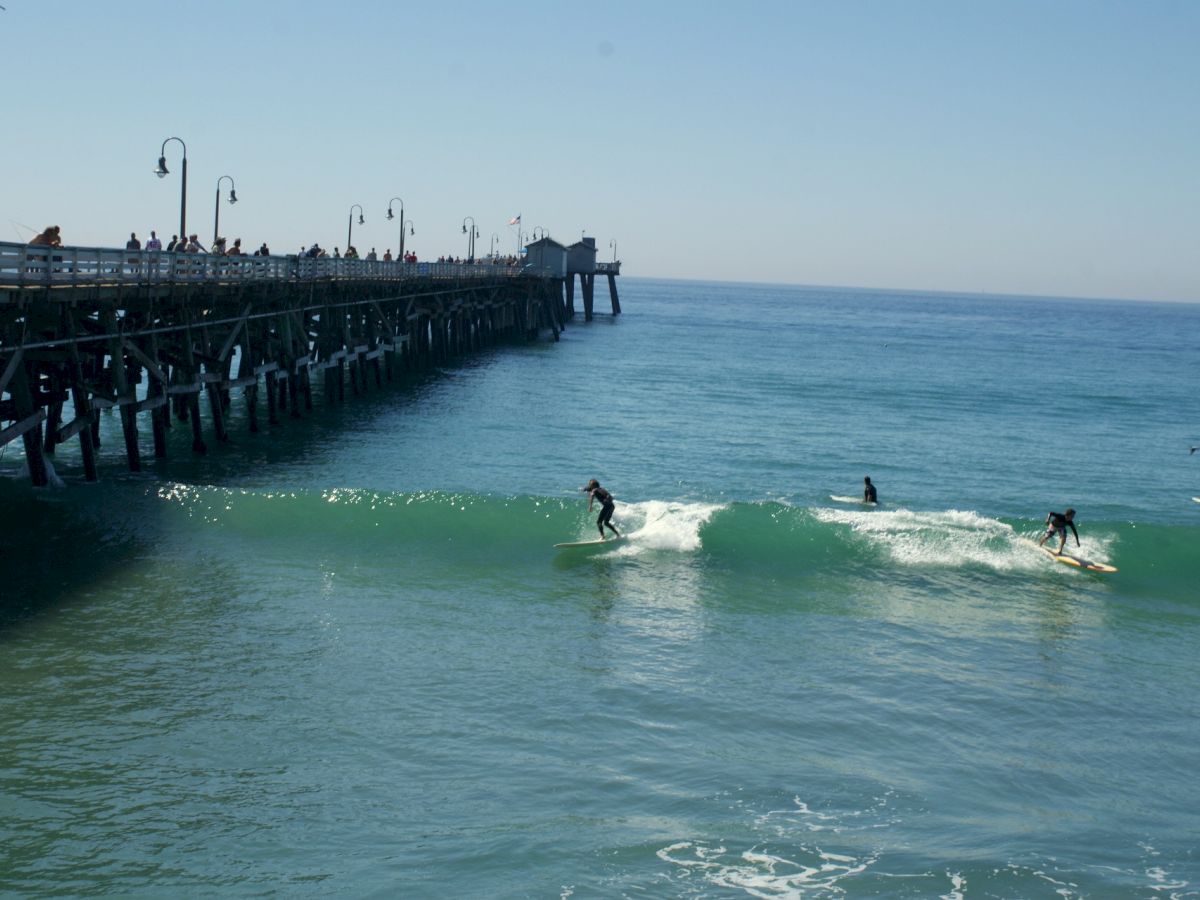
[52,477]
[950,538]
[762,874]
[957,883]
[658,525]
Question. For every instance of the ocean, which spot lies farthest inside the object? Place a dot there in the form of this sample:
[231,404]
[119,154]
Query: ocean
[343,658]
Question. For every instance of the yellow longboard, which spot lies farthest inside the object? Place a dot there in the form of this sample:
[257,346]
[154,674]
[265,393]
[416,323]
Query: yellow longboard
[1078,561]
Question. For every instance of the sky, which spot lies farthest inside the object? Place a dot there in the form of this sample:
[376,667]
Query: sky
[1047,148]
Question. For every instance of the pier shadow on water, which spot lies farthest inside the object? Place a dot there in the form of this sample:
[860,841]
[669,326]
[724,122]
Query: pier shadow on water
[56,543]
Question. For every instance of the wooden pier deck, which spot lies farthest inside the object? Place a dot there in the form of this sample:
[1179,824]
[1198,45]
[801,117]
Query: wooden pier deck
[83,329]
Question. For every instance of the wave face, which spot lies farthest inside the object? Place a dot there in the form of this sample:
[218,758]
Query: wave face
[788,541]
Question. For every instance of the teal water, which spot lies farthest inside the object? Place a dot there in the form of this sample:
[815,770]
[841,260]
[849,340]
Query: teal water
[344,659]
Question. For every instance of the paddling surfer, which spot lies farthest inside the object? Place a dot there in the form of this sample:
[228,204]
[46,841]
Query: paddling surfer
[1057,524]
[607,506]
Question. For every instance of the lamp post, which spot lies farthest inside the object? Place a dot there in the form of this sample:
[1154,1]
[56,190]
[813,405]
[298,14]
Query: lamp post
[495,240]
[471,233]
[407,223]
[536,229]
[613,244]
[350,226]
[217,207]
[402,223]
[162,172]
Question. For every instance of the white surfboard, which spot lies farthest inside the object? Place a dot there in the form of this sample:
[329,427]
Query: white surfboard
[838,498]
[593,543]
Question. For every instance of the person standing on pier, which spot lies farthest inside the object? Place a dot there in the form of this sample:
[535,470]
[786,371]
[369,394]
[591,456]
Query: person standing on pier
[154,243]
[50,237]
[133,243]
[607,506]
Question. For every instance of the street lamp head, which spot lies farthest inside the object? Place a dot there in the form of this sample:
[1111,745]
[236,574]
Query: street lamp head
[464,228]
[361,221]
[390,216]
[232,196]
[161,171]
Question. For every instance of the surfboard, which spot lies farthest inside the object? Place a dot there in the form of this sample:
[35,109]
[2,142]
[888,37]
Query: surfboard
[1078,561]
[1196,499]
[593,543]
[838,498]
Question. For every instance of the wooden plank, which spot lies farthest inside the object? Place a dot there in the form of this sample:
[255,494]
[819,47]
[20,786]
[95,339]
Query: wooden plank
[151,365]
[265,368]
[10,369]
[12,432]
[234,334]
[151,403]
[69,431]
[193,388]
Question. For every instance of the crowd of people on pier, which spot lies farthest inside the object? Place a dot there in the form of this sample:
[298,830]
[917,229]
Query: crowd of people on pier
[52,237]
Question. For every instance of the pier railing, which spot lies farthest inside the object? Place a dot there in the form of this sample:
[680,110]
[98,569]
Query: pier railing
[25,265]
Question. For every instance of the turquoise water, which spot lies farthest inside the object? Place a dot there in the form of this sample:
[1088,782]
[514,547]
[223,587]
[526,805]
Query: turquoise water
[344,659]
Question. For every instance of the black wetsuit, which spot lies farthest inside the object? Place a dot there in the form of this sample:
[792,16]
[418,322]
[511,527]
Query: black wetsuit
[869,494]
[607,506]
[1057,523]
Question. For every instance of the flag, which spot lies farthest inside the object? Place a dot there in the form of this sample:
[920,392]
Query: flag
[515,220]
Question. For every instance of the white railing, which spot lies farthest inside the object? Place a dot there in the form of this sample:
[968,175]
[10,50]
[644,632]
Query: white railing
[24,265]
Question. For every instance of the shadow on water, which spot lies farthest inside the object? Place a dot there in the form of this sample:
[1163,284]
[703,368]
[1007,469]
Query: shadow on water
[52,546]
[55,542]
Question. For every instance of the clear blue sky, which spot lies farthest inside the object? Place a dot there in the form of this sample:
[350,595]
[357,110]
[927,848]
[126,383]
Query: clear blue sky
[1019,147]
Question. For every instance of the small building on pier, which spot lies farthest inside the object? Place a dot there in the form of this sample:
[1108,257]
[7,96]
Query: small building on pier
[547,257]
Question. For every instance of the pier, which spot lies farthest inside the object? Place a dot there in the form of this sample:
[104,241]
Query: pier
[85,329]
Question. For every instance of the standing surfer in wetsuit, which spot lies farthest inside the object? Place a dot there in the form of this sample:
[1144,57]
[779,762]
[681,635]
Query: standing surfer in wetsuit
[869,490]
[595,492]
[1057,523]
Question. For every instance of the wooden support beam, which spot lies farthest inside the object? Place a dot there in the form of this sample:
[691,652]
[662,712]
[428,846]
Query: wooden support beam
[11,369]
[12,432]
[151,366]
[233,334]
[120,380]
[612,293]
[79,397]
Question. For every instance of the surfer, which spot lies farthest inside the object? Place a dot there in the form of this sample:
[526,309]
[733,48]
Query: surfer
[869,490]
[607,506]
[1057,523]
